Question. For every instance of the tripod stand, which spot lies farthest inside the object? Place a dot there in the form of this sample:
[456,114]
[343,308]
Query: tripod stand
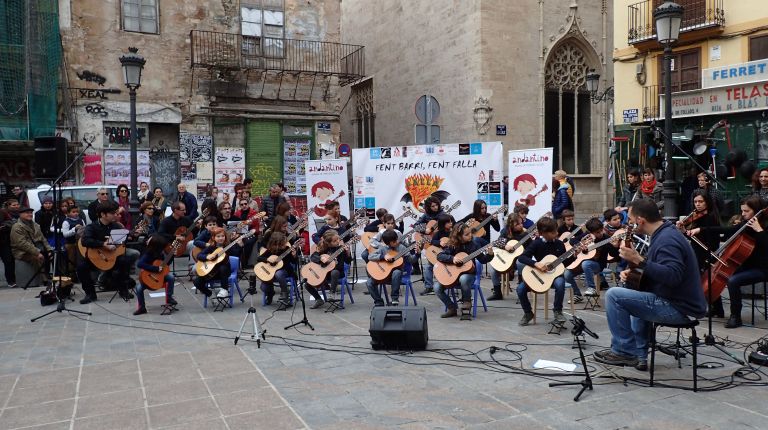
[304,320]
[578,330]
[56,281]
[257,333]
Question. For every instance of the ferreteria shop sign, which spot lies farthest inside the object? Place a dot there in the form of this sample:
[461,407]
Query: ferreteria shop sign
[735,74]
[732,99]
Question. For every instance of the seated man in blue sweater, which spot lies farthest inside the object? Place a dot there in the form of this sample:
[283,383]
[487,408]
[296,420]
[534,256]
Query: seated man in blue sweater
[669,291]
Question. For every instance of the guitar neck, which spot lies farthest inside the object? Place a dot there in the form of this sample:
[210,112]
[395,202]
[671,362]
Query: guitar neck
[234,242]
[287,251]
[402,217]
[568,254]
[472,256]
[174,246]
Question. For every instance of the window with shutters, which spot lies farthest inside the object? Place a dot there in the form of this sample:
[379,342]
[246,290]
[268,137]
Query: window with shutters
[140,16]
[758,47]
[263,154]
[686,70]
[262,24]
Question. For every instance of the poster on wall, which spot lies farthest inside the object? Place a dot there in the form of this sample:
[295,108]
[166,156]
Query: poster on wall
[326,181]
[402,177]
[92,169]
[117,167]
[296,152]
[530,180]
[194,148]
[230,169]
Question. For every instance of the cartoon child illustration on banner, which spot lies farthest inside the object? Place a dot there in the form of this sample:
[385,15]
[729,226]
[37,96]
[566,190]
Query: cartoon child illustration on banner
[321,193]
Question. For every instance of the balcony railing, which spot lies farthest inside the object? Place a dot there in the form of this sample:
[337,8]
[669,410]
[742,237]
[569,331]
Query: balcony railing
[652,97]
[212,49]
[698,14]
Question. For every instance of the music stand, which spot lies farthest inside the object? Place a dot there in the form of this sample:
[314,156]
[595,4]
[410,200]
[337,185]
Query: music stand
[56,280]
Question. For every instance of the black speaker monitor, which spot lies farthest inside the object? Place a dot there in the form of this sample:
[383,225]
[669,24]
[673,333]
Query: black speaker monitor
[396,327]
[50,157]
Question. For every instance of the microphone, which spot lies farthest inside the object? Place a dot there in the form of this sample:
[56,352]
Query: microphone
[717,125]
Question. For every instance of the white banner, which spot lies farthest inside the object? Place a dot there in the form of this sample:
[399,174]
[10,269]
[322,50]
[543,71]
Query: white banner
[326,181]
[398,177]
[530,180]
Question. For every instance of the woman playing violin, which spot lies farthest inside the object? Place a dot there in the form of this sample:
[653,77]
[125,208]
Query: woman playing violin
[753,269]
[705,214]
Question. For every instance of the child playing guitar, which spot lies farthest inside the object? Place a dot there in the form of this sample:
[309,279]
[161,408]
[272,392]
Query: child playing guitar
[155,246]
[461,240]
[390,241]
[221,271]
[329,244]
[275,246]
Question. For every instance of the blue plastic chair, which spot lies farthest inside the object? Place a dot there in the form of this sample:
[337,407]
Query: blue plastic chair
[404,281]
[476,291]
[234,265]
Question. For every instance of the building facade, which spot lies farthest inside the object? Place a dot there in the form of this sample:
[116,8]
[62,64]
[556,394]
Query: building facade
[230,89]
[486,63]
[719,91]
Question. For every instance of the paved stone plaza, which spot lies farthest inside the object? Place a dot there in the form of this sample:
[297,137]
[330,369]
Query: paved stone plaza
[114,371]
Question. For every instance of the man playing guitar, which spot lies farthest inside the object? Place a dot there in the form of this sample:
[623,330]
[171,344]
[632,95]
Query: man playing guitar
[97,235]
[670,290]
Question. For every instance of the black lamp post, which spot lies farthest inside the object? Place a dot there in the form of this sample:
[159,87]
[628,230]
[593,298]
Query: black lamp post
[668,17]
[593,84]
[133,64]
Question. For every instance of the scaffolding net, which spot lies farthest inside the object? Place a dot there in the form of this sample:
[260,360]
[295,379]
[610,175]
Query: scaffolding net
[30,59]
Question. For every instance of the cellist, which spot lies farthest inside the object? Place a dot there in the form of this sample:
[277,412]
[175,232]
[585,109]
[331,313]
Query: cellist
[753,269]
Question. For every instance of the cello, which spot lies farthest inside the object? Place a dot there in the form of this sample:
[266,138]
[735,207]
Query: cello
[730,256]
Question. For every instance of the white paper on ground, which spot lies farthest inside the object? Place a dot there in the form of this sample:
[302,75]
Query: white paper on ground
[546,364]
[159,294]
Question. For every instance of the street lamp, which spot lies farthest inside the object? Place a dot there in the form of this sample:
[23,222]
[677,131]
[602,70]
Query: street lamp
[133,64]
[593,83]
[668,17]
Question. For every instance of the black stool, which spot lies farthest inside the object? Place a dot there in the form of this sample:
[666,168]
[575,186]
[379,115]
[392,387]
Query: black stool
[691,324]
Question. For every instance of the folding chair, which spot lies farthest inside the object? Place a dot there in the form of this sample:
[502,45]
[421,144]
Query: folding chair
[221,302]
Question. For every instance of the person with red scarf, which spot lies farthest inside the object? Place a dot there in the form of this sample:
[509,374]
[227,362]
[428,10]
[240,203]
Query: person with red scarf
[124,203]
[651,189]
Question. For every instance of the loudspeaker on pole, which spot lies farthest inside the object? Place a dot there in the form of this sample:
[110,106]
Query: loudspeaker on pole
[50,156]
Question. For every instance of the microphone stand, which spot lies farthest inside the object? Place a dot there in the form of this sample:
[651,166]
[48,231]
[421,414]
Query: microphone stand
[302,283]
[56,280]
[578,330]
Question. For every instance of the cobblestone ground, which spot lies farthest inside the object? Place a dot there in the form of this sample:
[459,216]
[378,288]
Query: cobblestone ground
[113,370]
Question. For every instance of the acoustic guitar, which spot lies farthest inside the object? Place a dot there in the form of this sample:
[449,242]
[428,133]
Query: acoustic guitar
[156,280]
[366,237]
[186,233]
[102,258]
[246,222]
[565,237]
[301,222]
[432,225]
[448,273]
[290,236]
[265,270]
[433,251]
[541,281]
[315,273]
[635,275]
[381,270]
[503,259]
[591,251]
[357,224]
[478,227]
[203,268]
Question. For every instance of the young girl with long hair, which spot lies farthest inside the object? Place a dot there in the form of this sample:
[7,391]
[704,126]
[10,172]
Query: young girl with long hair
[221,271]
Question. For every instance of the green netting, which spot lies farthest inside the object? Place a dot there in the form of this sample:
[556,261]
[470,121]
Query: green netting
[30,58]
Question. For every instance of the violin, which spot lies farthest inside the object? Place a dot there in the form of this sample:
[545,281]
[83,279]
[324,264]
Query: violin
[693,217]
